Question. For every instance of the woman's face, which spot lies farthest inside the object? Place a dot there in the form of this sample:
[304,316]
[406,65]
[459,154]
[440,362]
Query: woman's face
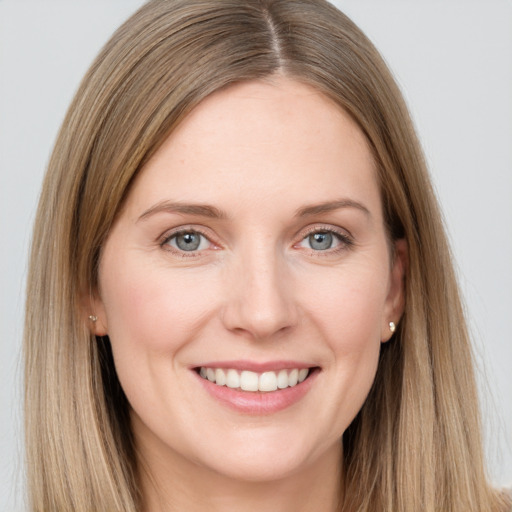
[247,285]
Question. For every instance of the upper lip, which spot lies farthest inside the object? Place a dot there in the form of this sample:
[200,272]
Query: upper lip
[255,366]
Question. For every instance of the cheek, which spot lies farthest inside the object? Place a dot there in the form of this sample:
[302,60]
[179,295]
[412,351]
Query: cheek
[349,313]
[349,306]
[153,309]
[152,314]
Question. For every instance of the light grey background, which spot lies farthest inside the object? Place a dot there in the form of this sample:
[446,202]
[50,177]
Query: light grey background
[453,60]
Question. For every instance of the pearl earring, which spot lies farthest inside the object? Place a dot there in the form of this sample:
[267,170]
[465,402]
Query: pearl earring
[392,327]
[93,318]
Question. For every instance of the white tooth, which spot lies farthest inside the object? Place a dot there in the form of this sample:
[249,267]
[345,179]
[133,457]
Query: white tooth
[293,377]
[220,377]
[282,379]
[249,381]
[303,373]
[202,372]
[210,374]
[267,381]
[232,379]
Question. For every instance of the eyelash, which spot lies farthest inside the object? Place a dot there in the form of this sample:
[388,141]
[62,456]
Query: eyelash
[345,241]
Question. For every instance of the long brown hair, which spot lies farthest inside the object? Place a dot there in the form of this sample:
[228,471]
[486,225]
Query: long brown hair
[415,445]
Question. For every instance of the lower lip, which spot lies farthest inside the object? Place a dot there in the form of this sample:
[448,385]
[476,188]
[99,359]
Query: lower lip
[259,403]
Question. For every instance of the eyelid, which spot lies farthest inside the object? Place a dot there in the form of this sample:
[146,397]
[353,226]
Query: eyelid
[325,228]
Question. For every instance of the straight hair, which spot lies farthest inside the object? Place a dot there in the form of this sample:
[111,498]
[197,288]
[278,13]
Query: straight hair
[416,443]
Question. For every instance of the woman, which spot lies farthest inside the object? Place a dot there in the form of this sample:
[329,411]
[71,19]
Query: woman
[240,292]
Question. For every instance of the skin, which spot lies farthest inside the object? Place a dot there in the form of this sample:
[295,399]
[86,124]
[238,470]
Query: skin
[256,289]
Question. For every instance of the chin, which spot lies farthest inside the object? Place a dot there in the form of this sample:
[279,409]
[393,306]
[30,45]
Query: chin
[250,469]
[267,454]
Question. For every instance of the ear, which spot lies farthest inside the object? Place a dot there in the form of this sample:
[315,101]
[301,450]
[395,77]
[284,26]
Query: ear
[93,311]
[395,301]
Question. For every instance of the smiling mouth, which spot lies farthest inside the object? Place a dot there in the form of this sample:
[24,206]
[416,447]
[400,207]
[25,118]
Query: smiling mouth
[246,380]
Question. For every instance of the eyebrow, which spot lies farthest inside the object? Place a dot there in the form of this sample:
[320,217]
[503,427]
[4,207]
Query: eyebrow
[200,210]
[330,206]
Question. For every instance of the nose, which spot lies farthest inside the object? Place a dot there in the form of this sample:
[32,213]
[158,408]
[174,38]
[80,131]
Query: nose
[261,303]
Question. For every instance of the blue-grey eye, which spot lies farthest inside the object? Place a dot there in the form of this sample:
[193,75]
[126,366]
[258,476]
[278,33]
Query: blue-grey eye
[188,241]
[324,240]
[321,241]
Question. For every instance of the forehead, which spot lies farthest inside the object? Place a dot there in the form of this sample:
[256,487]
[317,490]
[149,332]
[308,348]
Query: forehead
[262,139]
